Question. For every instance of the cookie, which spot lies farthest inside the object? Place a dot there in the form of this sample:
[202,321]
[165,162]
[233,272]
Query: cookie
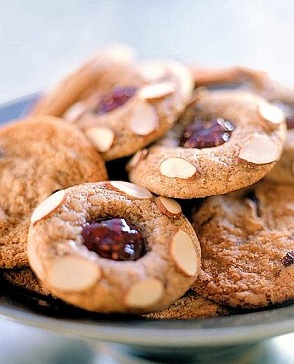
[24,278]
[39,155]
[226,140]
[124,106]
[113,247]
[190,306]
[247,246]
[262,84]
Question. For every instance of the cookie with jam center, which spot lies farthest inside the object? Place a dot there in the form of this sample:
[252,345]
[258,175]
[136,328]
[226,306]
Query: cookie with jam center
[226,140]
[113,247]
[246,240]
[121,104]
[38,156]
[260,83]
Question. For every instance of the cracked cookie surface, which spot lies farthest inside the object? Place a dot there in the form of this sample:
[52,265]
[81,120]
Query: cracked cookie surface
[247,246]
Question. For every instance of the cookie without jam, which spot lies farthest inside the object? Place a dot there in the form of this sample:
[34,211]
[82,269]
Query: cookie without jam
[24,278]
[38,156]
[95,274]
[239,140]
[190,306]
[247,245]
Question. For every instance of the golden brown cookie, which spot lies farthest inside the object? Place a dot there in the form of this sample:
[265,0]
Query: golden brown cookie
[113,247]
[121,104]
[190,306]
[225,140]
[39,155]
[262,84]
[143,106]
[247,246]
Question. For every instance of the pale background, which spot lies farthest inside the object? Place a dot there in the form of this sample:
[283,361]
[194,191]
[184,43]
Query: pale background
[42,41]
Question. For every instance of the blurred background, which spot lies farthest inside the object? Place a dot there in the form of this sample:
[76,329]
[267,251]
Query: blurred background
[43,41]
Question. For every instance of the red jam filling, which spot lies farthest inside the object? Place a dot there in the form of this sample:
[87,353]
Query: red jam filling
[114,238]
[288,259]
[206,133]
[116,98]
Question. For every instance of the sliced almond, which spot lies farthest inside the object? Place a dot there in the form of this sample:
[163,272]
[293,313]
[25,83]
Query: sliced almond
[168,206]
[144,119]
[185,79]
[152,71]
[145,293]
[183,253]
[73,273]
[74,112]
[271,113]
[157,90]
[131,189]
[47,206]
[260,150]
[102,138]
[138,157]
[177,167]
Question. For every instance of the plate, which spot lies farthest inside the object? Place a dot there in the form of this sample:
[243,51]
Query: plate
[141,335]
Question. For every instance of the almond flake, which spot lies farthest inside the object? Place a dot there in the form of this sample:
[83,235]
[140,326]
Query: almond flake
[183,253]
[72,273]
[260,150]
[102,138]
[74,111]
[131,189]
[168,206]
[157,90]
[152,71]
[271,113]
[47,206]
[177,167]
[137,157]
[144,119]
[145,293]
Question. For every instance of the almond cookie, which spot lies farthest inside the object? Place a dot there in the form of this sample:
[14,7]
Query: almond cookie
[113,247]
[262,84]
[39,155]
[225,140]
[129,106]
[247,246]
[190,306]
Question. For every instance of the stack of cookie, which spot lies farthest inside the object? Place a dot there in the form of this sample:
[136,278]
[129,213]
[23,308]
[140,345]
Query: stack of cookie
[197,218]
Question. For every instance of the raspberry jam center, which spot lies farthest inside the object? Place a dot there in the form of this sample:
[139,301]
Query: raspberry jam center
[116,98]
[115,239]
[206,133]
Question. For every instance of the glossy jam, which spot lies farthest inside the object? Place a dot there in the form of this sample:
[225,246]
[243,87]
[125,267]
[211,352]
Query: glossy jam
[288,259]
[115,239]
[206,133]
[116,98]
